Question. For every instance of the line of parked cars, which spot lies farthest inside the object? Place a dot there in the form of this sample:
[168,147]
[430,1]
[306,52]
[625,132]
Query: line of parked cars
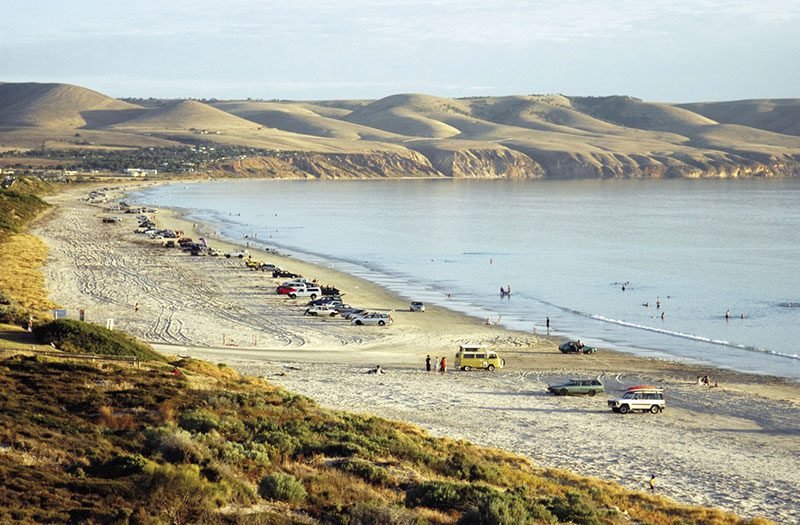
[326,301]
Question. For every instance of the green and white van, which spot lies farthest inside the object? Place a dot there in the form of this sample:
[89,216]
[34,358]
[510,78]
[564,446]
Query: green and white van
[476,356]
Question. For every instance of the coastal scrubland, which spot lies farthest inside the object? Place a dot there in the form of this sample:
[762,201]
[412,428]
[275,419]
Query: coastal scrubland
[191,442]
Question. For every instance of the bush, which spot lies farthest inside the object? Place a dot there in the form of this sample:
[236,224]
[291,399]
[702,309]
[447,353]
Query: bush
[175,446]
[373,514]
[199,420]
[282,487]
[87,338]
[503,508]
[460,465]
[435,495]
[365,470]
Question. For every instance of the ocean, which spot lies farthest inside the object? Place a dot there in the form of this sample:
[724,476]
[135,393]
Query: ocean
[687,252]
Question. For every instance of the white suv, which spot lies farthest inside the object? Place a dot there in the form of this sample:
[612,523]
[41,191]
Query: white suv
[645,398]
[305,291]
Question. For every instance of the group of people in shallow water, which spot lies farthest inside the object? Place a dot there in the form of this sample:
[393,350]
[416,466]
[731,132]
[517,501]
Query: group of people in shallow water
[505,291]
[436,364]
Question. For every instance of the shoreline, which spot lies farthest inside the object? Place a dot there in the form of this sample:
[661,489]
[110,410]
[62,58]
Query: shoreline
[189,304]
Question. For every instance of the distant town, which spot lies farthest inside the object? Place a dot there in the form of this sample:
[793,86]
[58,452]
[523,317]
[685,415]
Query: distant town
[142,162]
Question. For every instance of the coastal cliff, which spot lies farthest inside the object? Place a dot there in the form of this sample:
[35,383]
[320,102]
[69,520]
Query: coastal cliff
[400,136]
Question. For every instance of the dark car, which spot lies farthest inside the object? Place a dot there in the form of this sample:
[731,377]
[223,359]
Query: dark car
[577,386]
[284,273]
[576,347]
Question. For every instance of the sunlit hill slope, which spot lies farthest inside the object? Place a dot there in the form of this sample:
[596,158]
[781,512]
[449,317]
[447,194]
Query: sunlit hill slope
[413,135]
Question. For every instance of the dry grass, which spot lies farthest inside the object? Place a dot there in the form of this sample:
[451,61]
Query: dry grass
[22,257]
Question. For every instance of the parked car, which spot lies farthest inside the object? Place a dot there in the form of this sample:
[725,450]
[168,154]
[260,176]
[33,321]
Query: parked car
[325,299]
[641,397]
[284,273]
[299,281]
[417,306]
[574,387]
[344,309]
[285,290]
[268,267]
[476,356]
[305,291]
[576,347]
[321,310]
[241,254]
[373,318]
[356,313]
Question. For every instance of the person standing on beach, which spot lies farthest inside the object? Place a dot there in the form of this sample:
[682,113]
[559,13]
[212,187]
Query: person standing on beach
[436,364]
[428,363]
[136,308]
[443,365]
[653,483]
[548,326]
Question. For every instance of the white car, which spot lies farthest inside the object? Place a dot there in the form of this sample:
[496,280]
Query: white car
[372,318]
[417,306]
[305,291]
[642,397]
[322,310]
[241,254]
[300,281]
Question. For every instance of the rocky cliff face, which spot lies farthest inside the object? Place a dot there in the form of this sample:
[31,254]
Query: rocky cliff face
[484,163]
[300,165]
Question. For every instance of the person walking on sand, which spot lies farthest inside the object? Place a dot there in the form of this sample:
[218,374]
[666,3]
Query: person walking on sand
[443,365]
[548,326]
[136,308]
[653,483]
[428,363]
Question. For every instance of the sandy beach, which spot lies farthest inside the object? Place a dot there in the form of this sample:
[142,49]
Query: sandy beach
[735,447]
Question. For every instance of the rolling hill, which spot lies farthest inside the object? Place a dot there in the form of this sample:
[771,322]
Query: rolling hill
[523,136]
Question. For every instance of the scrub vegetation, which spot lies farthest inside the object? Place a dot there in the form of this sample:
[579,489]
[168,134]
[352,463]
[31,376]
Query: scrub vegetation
[192,442]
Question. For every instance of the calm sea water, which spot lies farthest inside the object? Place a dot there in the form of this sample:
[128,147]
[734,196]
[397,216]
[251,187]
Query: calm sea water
[696,248]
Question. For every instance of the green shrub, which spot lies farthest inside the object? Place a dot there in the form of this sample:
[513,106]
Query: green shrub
[502,508]
[174,445]
[367,513]
[365,470]
[434,494]
[575,508]
[282,487]
[199,420]
[120,466]
[460,465]
[87,338]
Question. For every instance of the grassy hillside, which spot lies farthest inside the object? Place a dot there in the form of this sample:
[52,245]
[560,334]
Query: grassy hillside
[778,115]
[59,105]
[22,256]
[551,136]
[116,444]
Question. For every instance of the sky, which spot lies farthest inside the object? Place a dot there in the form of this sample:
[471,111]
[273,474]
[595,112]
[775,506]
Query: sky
[666,51]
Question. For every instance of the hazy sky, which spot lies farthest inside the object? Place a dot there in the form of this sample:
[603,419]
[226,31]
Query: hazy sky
[671,51]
